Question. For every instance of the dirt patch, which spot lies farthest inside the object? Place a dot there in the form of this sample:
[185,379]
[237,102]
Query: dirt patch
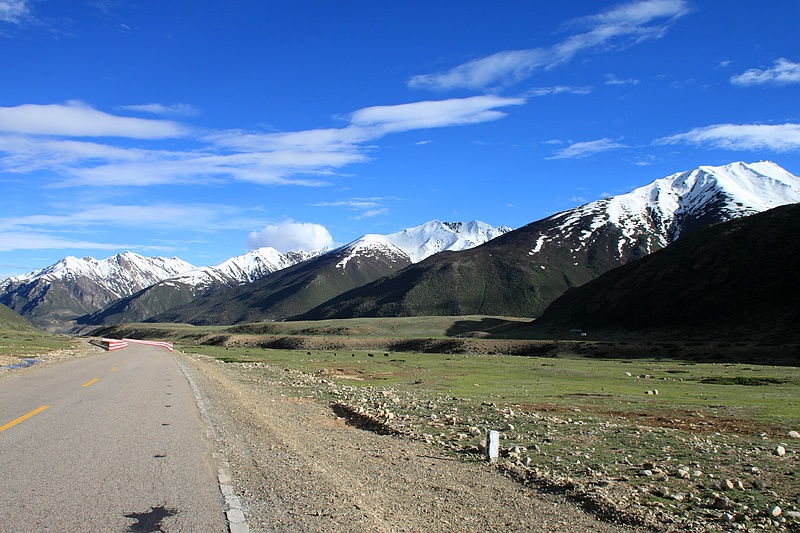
[302,466]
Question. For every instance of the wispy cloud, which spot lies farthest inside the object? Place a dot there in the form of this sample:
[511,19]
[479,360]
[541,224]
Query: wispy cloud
[558,89]
[374,213]
[76,119]
[29,240]
[50,137]
[354,203]
[585,149]
[186,110]
[613,80]
[620,26]
[783,72]
[14,11]
[56,228]
[367,207]
[777,138]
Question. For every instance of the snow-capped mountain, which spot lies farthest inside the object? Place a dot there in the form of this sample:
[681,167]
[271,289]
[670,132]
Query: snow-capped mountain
[655,215]
[120,274]
[423,241]
[361,261]
[521,272]
[74,286]
[299,288]
[185,287]
[245,268]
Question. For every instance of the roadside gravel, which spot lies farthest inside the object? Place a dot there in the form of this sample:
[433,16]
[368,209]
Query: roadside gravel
[297,466]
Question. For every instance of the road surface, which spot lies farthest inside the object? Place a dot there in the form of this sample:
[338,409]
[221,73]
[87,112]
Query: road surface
[109,442]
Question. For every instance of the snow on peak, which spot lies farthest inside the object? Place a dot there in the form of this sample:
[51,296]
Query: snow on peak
[122,274]
[663,207]
[242,269]
[423,241]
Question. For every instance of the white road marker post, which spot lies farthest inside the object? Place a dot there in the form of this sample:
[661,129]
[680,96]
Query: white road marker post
[492,445]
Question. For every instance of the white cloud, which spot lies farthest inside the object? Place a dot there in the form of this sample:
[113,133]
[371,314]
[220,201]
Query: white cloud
[100,217]
[381,120]
[187,110]
[354,203]
[778,137]
[76,119]
[619,26]
[369,207]
[23,240]
[613,80]
[38,139]
[373,213]
[14,11]
[783,72]
[291,236]
[558,89]
[585,149]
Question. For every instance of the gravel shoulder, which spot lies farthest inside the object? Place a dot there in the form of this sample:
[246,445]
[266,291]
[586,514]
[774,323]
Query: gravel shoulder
[299,467]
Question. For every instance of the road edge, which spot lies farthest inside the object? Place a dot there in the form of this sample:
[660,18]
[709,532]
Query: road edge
[237,522]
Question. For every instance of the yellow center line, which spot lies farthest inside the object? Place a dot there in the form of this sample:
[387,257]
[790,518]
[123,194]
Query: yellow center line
[23,418]
[114,369]
[90,382]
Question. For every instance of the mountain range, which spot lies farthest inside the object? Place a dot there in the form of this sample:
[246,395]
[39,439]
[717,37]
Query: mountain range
[434,269]
[75,293]
[54,296]
[303,286]
[522,272]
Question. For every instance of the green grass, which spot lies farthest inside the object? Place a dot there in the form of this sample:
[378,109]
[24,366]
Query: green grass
[13,342]
[750,392]
[578,411]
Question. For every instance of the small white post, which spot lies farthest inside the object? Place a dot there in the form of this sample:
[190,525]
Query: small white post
[492,445]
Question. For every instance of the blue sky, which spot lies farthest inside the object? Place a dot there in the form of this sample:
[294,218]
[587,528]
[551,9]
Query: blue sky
[203,129]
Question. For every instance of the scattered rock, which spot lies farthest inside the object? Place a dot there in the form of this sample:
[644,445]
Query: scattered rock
[775,512]
[794,435]
[780,451]
[722,503]
[661,491]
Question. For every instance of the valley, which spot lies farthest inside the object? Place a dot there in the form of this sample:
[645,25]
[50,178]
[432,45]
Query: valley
[638,356]
[648,434]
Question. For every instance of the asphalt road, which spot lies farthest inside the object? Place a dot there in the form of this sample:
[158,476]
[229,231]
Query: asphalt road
[109,443]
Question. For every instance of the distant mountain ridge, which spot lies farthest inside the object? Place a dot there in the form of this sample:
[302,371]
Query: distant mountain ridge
[75,293]
[301,287]
[57,294]
[522,272]
[185,287]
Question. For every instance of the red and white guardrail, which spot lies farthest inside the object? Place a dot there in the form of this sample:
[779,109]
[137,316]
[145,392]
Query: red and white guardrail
[116,344]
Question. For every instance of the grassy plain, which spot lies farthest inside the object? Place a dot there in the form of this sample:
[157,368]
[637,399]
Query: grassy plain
[581,416]
[19,338]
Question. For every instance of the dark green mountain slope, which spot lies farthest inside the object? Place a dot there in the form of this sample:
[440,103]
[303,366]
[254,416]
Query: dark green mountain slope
[736,281]
[288,292]
[503,277]
[11,321]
